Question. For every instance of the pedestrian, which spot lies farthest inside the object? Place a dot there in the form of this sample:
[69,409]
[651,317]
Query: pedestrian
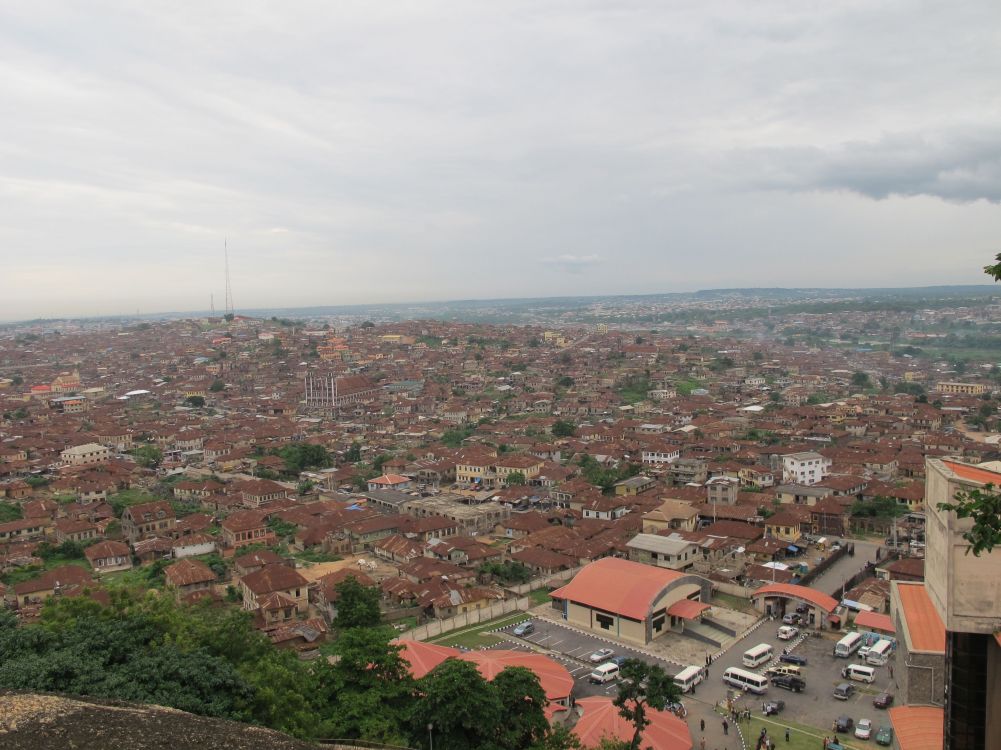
[726,728]
[787,734]
[825,744]
[702,725]
[702,744]
[891,671]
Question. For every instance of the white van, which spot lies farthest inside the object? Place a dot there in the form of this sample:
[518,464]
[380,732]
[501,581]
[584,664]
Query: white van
[787,633]
[689,677]
[758,655]
[605,673]
[743,680]
[848,645]
[859,673]
[879,653]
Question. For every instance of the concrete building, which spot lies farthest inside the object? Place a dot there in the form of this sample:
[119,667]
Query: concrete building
[631,601]
[82,455]
[962,389]
[806,467]
[919,662]
[663,551]
[965,590]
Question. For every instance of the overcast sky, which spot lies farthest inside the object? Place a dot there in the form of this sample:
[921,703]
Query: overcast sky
[381,151]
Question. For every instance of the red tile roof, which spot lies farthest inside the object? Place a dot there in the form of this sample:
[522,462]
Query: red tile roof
[918,727]
[620,586]
[687,609]
[875,621]
[805,593]
[602,719]
[973,473]
[923,623]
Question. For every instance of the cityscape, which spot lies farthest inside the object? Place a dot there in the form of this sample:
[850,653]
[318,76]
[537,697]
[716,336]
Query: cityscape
[735,494]
[514,375]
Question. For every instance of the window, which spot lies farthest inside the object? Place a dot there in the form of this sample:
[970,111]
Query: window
[604,621]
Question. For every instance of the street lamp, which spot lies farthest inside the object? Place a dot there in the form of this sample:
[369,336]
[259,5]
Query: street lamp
[430,738]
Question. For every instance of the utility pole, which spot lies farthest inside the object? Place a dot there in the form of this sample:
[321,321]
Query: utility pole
[229,289]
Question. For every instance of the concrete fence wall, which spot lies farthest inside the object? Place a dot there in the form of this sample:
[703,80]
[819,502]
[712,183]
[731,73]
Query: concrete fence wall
[543,581]
[434,628]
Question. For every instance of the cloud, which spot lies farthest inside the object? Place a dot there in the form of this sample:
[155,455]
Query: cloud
[956,167]
[572,263]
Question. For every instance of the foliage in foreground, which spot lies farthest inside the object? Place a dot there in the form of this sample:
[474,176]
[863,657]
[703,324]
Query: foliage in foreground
[206,659]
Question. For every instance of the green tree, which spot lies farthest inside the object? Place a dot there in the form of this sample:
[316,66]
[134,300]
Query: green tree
[10,512]
[217,386]
[515,478]
[462,708]
[523,703]
[565,382]
[860,380]
[353,454]
[983,505]
[357,605]
[367,693]
[196,401]
[562,428]
[148,456]
[643,686]
[301,456]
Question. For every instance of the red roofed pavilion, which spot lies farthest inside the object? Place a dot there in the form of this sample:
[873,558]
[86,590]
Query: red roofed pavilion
[630,600]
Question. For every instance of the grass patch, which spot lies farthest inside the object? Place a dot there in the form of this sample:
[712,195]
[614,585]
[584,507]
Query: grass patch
[316,556]
[539,596]
[476,636]
[801,736]
[733,602]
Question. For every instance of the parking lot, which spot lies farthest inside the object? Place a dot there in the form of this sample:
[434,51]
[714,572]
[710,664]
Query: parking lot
[816,706]
[572,649]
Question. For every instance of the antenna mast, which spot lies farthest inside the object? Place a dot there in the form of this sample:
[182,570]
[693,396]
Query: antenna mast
[229,289]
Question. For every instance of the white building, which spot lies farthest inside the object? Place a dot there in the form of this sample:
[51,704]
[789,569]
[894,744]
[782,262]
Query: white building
[658,456]
[88,453]
[805,468]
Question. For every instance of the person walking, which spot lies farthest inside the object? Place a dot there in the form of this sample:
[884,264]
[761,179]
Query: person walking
[891,671]
[702,725]
[787,734]
[702,744]
[726,728]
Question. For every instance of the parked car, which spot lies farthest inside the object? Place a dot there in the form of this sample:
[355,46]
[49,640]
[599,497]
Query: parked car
[525,628]
[789,682]
[793,659]
[802,609]
[844,724]
[787,633]
[863,652]
[884,736]
[883,700]
[844,691]
[619,660]
[792,619]
[772,708]
[863,730]
[602,654]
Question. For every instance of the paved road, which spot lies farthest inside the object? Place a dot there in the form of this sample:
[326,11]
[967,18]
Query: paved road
[832,578]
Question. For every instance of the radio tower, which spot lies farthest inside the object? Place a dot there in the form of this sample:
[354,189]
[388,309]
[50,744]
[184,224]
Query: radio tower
[229,289]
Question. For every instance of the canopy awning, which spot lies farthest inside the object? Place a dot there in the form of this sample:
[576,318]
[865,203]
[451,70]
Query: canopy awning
[686,609]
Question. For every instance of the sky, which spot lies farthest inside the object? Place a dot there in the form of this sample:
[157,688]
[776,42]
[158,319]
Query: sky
[363,152]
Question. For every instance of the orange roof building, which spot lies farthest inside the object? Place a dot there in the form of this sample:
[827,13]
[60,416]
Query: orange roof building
[919,661]
[629,600]
[554,678]
[918,727]
[601,719]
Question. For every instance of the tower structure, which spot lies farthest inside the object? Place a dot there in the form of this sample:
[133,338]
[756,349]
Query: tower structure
[229,288]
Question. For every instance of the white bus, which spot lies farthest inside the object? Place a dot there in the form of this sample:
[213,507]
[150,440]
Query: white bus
[757,655]
[689,677]
[848,645]
[880,652]
[743,680]
[859,672]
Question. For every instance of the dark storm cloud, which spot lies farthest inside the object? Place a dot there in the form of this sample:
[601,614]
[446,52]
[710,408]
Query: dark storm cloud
[954,167]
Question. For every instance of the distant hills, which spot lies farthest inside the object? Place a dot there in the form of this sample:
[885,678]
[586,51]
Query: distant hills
[521,310]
